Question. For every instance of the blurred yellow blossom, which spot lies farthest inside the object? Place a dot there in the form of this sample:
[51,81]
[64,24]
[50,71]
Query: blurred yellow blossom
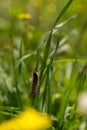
[24,16]
[30,119]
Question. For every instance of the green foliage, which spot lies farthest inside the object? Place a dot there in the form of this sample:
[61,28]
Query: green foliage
[56,49]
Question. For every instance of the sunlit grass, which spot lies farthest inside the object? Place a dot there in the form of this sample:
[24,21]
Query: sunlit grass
[43,66]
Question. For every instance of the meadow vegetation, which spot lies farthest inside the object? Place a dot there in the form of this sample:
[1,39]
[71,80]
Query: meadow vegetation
[43,64]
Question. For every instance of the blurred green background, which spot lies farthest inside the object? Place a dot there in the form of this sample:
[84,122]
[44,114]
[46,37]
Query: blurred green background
[19,37]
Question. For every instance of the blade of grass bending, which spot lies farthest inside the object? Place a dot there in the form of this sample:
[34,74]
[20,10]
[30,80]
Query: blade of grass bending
[50,35]
[49,40]
[63,11]
[55,29]
[60,25]
[23,58]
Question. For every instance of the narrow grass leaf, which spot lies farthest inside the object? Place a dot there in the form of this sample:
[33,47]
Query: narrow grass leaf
[43,40]
[57,27]
[63,11]
[45,54]
[24,57]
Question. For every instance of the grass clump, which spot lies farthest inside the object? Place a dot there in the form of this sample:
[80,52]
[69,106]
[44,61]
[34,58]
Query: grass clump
[49,79]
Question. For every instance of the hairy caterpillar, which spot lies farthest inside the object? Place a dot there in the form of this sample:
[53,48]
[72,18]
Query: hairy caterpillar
[35,83]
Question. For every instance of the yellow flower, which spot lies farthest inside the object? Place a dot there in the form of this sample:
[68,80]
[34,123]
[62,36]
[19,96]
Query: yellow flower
[30,119]
[24,16]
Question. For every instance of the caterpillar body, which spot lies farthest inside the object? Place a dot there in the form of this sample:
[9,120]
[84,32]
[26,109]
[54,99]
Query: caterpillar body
[35,83]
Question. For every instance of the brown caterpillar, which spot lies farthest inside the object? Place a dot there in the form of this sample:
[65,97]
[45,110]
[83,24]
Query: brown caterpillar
[35,83]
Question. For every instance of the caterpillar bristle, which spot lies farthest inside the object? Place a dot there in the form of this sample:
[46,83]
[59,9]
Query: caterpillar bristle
[35,83]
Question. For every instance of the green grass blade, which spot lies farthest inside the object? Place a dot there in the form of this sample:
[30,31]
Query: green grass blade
[54,51]
[60,25]
[43,40]
[23,58]
[45,54]
[69,60]
[66,97]
[48,83]
[63,11]
[45,89]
